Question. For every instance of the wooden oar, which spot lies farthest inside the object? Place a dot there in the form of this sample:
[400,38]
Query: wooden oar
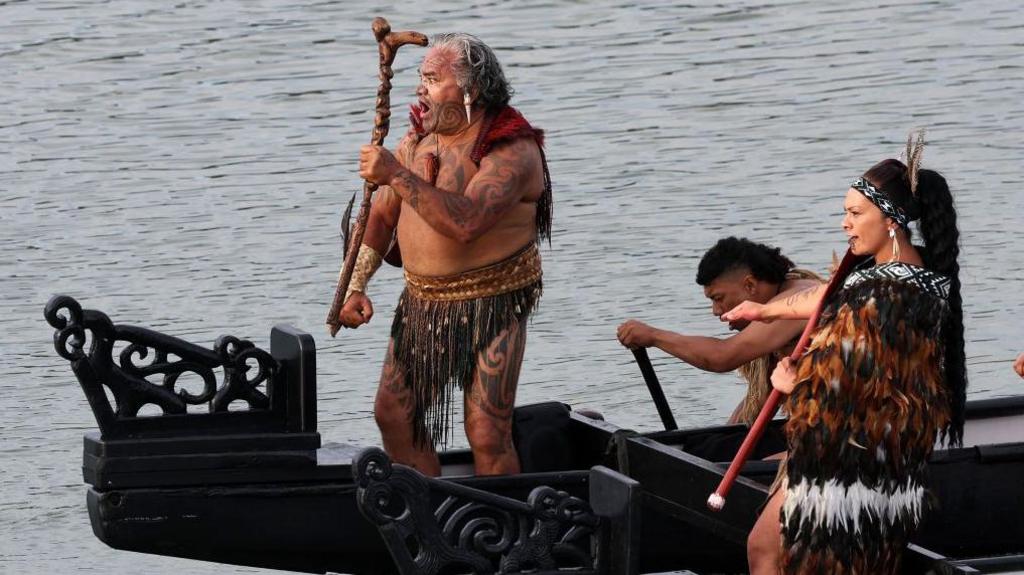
[654,386]
[388,43]
[717,499]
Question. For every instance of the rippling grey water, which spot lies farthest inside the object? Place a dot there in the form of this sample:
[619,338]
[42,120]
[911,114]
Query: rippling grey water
[182,166]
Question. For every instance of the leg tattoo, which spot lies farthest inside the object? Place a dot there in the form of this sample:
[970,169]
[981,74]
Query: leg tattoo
[393,412]
[490,402]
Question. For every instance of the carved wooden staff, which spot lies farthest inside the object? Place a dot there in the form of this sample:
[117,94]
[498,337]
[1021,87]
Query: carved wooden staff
[717,499]
[388,43]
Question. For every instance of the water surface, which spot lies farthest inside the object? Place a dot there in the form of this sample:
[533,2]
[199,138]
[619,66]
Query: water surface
[182,166]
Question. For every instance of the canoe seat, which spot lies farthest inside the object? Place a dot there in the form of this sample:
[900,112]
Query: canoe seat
[542,439]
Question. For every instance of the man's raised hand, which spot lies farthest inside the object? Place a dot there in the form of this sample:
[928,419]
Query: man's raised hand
[377,165]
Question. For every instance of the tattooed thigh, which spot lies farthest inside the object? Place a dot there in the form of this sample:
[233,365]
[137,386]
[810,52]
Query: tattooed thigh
[393,391]
[493,392]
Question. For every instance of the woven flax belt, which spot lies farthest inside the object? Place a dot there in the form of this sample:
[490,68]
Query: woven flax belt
[516,272]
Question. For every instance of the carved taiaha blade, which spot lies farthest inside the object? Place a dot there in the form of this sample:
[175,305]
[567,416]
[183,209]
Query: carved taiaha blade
[346,226]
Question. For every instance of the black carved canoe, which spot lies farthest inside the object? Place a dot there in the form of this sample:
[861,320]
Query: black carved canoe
[254,486]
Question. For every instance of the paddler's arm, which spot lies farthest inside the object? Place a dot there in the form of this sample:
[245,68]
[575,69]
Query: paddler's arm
[798,305]
[496,187]
[710,353]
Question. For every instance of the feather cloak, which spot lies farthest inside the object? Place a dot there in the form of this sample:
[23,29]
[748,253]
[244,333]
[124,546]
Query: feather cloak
[868,407]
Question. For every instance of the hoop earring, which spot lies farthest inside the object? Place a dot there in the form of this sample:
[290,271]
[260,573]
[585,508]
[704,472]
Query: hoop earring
[469,106]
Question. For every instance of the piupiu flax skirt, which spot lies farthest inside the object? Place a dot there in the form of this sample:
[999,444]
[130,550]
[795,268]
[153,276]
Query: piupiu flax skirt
[443,323]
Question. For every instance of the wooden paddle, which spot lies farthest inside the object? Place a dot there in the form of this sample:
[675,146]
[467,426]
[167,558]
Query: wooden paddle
[388,43]
[717,499]
[654,386]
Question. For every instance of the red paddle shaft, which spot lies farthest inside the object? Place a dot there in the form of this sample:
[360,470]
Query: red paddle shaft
[717,499]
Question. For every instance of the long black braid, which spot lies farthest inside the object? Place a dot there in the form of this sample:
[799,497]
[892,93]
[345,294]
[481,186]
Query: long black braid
[942,248]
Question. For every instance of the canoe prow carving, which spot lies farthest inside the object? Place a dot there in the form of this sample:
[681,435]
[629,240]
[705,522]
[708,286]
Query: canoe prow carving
[242,401]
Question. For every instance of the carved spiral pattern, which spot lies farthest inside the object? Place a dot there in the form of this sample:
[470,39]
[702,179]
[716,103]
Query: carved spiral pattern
[471,529]
[371,465]
[384,504]
[128,377]
[69,339]
[236,354]
[478,527]
[171,370]
[381,499]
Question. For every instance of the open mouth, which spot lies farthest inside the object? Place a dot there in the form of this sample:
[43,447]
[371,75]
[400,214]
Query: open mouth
[416,113]
[852,240]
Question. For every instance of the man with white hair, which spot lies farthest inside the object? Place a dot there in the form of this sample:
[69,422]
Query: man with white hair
[467,196]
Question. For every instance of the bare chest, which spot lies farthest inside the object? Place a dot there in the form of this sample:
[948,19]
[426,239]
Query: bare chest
[447,168]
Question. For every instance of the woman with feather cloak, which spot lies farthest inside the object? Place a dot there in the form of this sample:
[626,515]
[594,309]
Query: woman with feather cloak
[882,380]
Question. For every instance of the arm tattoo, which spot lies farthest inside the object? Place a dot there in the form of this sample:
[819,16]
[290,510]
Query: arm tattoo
[800,296]
[459,208]
[495,191]
[406,185]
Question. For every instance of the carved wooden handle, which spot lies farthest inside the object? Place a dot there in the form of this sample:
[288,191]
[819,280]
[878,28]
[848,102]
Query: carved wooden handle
[388,43]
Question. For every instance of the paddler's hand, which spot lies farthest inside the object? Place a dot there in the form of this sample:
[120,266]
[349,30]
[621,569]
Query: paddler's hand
[784,376]
[746,311]
[377,165]
[358,309]
[1018,365]
[635,334]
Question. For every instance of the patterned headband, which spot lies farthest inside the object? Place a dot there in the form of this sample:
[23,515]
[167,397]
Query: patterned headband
[883,202]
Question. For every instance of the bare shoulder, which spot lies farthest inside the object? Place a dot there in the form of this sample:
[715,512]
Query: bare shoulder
[521,153]
[796,286]
[517,162]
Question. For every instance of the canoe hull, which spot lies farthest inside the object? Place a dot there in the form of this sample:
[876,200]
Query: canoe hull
[312,524]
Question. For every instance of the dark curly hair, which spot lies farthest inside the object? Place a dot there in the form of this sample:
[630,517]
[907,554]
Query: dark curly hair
[764,262]
[933,205]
